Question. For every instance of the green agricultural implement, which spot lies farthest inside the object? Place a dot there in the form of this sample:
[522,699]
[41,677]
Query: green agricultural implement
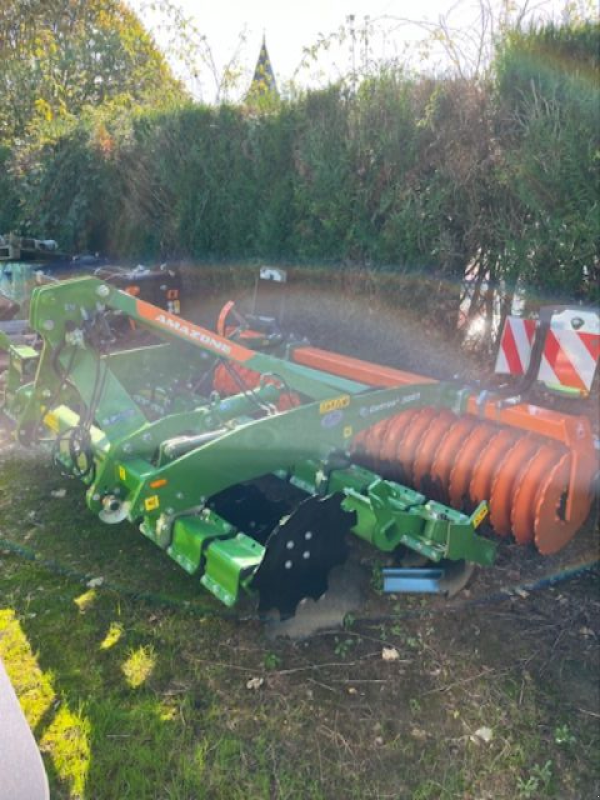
[253,493]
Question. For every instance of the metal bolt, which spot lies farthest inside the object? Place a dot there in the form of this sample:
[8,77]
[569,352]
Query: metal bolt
[288,565]
[308,535]
[147,437]
[48,325]
[127,448]
[103,291]
[170,510]
[290,545]
[180,495]
[306,554]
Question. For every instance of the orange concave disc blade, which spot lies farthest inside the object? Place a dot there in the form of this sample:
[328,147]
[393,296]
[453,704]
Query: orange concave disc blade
[489,461]
[375,438]
[399,425]
[429,445]
[410,443]
[522,516]
[505,480]
[460,475]
[551,531]
[446,454]
[365,443]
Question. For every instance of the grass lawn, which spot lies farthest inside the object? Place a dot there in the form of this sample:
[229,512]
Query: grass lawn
[144,687]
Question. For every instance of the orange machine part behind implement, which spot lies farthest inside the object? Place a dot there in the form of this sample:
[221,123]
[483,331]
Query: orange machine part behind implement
[235,378]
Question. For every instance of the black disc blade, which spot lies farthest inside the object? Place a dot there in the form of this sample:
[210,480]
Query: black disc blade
[300,553]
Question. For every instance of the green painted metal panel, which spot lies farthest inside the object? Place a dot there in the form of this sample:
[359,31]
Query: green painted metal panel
[229,564]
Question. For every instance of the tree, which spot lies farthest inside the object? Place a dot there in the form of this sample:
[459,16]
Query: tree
[58,56]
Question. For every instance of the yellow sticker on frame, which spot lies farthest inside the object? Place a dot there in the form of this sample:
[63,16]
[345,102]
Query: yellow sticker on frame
[334,404]
[152,503]
[481,515]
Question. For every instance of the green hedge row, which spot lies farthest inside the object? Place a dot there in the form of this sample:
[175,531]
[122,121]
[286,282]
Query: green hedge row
[412,174]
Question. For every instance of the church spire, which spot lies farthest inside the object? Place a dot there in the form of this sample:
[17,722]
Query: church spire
[263,82]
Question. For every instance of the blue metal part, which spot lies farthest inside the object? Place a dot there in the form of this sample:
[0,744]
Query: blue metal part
[413,580]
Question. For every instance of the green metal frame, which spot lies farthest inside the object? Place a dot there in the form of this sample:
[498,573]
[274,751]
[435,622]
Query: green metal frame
[161,450]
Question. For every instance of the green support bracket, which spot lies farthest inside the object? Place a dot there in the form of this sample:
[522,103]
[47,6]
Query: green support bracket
[389,515]
[230,565]
[207,543]
[191,535]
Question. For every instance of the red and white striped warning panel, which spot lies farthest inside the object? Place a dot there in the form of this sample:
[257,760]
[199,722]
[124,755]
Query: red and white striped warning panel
[571,350]
[515,346]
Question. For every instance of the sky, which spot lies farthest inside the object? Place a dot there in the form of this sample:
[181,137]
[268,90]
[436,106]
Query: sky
[290,27]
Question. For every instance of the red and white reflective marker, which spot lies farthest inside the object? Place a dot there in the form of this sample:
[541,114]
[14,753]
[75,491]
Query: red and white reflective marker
[571,350]
[515,346]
